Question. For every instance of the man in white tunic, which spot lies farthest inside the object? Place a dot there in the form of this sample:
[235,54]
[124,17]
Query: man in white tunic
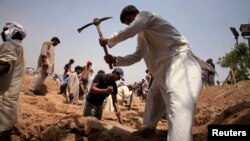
[45,66]
[72,90]
[123,96]
[12,68]
[145,87]
[174,67]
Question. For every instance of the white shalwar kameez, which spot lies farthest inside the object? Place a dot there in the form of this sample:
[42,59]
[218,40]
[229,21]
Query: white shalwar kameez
[73,88]
[123,94]
[11,52]
[176,71]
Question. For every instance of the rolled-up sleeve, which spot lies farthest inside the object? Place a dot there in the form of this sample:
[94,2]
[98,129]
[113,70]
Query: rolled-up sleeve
[129,59]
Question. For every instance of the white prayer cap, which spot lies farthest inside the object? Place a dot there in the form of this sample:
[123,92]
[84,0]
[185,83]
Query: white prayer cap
[11,28]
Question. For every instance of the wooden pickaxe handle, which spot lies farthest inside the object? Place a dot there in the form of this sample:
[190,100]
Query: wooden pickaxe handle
[131,99]
[119,119]
[105,48]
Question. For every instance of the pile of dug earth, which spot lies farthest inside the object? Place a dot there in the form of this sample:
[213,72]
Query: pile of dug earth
[48,118]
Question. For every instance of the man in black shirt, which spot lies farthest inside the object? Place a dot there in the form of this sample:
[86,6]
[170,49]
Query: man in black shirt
[102,86]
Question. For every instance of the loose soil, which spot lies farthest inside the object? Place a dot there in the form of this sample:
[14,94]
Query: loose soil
[48,118]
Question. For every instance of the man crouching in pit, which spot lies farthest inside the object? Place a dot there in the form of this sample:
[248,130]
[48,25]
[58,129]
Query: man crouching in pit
[102,86]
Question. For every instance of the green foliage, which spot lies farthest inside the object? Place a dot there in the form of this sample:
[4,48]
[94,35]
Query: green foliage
[238,60]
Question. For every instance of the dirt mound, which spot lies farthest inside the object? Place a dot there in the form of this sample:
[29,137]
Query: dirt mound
[48,118]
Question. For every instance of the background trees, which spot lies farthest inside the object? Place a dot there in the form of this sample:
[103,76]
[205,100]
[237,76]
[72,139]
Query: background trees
[238,60]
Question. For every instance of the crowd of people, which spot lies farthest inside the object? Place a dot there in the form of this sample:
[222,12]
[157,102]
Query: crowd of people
[170,88]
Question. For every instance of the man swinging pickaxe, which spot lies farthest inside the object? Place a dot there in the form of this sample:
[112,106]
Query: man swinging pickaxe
[97,22]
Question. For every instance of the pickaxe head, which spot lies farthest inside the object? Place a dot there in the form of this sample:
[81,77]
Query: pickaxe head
[96,21]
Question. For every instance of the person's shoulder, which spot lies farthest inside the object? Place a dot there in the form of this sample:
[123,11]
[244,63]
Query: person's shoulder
[123,87]
[147,13]
[9,45]
[148,16]
[46,42]
[73,74]
[6,43]
[103,75]
[66,65]
[100,75]
[99,78]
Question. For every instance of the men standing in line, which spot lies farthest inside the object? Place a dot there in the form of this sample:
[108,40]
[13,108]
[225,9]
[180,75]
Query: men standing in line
[12,68]
[102,86]
[45,66]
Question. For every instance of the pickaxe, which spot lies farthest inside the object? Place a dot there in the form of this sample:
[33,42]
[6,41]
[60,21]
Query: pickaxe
[97,22]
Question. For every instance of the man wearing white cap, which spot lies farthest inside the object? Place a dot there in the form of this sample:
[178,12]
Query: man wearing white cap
[12,68]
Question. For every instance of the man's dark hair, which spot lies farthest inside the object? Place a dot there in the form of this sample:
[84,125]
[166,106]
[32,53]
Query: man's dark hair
[55,39]
[101,71]
[128,10]
[72,60]
[130,87]
[78,68]
[209,60]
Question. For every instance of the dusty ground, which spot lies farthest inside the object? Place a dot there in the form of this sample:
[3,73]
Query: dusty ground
[49,118]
